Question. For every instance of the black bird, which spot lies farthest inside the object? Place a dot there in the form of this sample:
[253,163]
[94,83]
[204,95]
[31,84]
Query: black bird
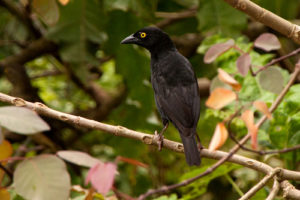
[175,88]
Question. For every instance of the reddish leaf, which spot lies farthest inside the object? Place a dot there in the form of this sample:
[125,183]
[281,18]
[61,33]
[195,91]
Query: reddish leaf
[220,97]
[132,161]
[219,137]
[102,176]
[243,63]
[248,118]
[226,78]
[267,42]
[262,107]
[216,50]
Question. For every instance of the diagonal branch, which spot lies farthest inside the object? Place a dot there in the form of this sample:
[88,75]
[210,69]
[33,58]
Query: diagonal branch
[234,149]
[274,190]
[293,53]
[22,15]
[260,184]
[171,18]
[143,137]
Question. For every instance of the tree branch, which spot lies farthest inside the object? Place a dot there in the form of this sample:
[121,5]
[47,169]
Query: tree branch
[289,191]
[143,137]
[293,53]
[8,172]
[267,18]
[171,18]
[275,189]
[234,149]
[22,15]
[260,184]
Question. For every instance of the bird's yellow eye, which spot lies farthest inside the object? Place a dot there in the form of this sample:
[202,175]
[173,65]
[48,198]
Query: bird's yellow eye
[143,34]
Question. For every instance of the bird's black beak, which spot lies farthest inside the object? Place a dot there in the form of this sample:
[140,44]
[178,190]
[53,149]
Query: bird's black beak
[130,40]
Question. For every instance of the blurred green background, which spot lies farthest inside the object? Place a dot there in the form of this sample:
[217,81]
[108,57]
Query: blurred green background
[74,63]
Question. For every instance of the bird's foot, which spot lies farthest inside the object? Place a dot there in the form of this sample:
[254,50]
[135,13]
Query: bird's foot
[159,138]
[200,147]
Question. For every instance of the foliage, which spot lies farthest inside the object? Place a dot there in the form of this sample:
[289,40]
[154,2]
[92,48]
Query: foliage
[90,74]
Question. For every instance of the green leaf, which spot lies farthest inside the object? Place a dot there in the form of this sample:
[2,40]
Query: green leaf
[22,120]
[291,103]
[143,8]
[43,177]
[261,194]
[285,9]
[194,190]
[272,80]
[165,197]
[79,34]
[218,16]
[47,10]
[279,130]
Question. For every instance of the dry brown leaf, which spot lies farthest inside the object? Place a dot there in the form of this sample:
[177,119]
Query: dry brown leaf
[248,118]
[226,78]
[262,107]
[220,97]
[219,138]
[64,2]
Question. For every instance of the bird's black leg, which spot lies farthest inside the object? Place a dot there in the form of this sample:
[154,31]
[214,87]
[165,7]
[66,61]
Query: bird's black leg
[200,147]
[160,136]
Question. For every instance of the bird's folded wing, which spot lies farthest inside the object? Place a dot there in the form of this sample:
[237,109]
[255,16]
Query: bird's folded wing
[180,104]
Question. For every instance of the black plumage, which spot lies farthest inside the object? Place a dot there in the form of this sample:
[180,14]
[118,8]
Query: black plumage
[175,87]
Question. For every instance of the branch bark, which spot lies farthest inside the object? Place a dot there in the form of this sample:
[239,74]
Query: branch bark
[260,184]
[274,190]
[143,137]
[267,18]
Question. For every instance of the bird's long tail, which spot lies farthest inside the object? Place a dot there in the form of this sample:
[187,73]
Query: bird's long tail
[192,154]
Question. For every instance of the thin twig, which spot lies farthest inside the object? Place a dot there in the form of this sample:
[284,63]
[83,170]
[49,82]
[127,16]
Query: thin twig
[171,18]
[293,53]
[274,190]
[234,185]
[121,195]
[46,74]
[260,184]
[233,150]
[8,172]
[148,139]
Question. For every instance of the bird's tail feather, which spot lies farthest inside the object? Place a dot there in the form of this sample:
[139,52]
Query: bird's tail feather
[192,154]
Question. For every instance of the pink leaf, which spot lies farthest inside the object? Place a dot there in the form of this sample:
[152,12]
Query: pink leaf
[243,63]
[216,50]
[267,42]
[102,176]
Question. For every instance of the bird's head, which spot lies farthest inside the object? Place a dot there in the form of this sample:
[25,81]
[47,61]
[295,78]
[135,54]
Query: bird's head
[151,38]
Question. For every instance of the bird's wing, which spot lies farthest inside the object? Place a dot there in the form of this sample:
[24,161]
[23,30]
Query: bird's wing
[181,105]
